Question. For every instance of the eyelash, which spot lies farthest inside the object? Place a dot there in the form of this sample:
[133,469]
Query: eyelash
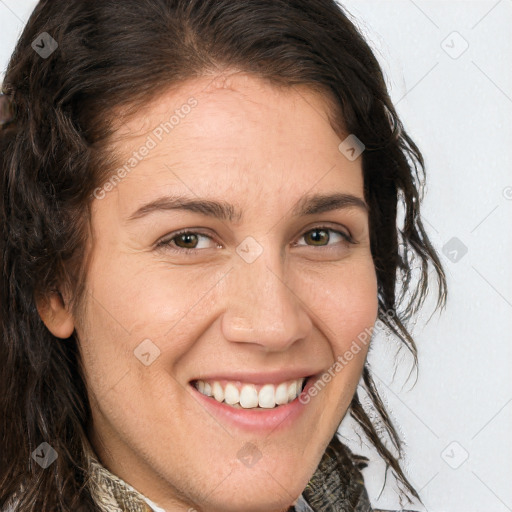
[166,243]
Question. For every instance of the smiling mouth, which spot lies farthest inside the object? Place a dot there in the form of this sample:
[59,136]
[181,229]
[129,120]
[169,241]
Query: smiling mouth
[251,396]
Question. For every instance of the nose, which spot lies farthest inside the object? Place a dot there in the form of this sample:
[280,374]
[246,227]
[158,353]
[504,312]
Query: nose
[262,308]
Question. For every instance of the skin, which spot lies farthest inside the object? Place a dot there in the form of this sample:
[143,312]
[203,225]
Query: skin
[299,304]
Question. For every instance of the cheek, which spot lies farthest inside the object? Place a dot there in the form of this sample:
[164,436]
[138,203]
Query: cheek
[344,302]
[129,303]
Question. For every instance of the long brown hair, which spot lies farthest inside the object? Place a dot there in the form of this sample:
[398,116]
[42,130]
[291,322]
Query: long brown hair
[107,55]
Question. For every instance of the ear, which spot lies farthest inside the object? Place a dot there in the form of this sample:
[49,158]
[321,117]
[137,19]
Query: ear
[55,315]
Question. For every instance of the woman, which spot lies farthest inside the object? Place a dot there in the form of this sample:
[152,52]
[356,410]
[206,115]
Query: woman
[200,231]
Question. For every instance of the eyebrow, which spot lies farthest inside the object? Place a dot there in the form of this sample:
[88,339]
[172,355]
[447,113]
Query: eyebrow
[222,210]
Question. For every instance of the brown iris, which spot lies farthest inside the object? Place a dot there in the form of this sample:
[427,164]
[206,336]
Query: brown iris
[316,235]
[187,238]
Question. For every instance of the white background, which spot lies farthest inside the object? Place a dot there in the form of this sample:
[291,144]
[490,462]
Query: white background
[456,103]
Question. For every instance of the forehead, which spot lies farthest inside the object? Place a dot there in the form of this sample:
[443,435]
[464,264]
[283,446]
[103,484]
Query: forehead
[233,134]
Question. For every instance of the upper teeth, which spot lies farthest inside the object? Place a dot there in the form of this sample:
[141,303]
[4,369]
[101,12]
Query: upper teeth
[249,396]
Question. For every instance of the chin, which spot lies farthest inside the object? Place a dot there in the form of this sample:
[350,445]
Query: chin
[261,503]
[257,490]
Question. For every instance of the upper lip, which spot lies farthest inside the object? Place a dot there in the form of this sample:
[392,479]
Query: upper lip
[261,377]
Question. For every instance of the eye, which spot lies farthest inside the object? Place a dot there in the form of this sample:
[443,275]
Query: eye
[186,241]
[320,236]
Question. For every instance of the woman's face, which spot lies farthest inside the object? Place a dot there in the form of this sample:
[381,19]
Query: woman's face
[269,286]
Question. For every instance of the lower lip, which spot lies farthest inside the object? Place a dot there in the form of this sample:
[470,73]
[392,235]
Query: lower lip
[256,420]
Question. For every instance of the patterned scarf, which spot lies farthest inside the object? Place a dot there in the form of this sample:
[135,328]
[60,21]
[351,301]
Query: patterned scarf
[336,486]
